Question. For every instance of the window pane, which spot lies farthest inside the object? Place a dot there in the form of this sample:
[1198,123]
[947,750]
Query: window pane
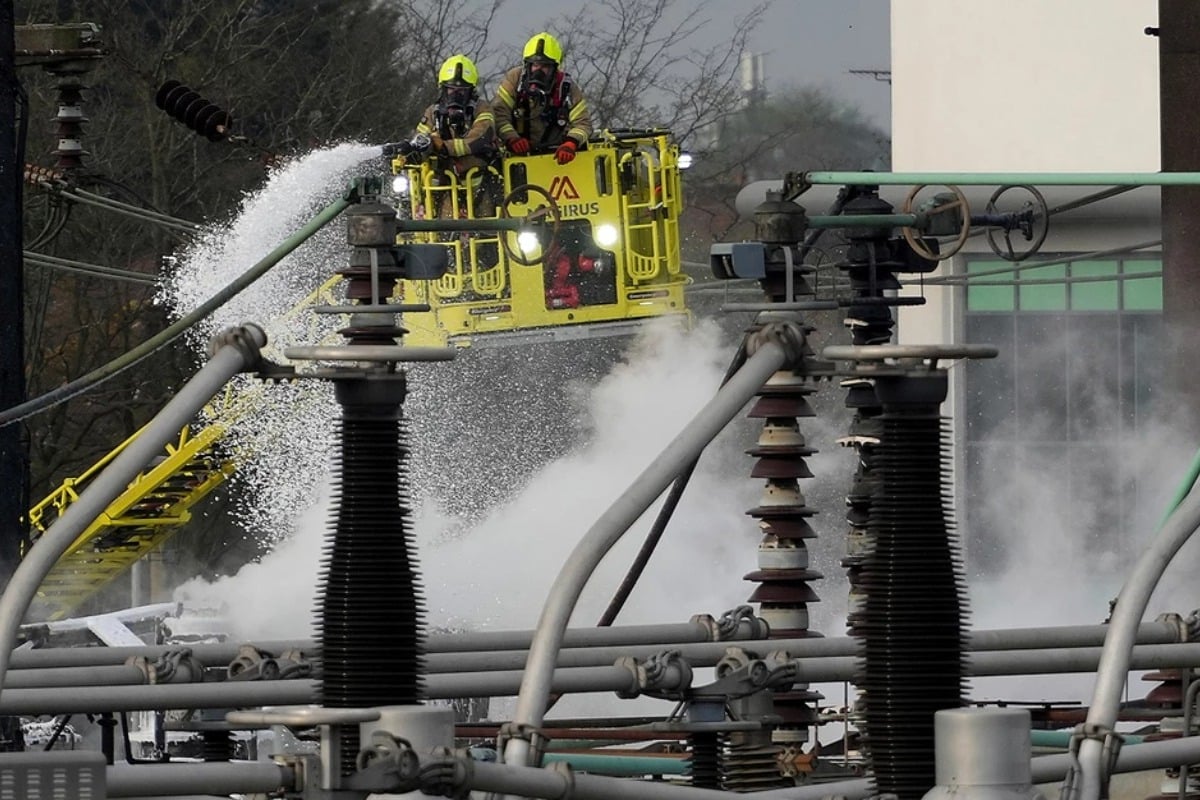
[1094,296]
[1143,294]
[981,297]
[1044,296]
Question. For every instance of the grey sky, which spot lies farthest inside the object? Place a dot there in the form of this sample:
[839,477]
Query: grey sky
[807,42]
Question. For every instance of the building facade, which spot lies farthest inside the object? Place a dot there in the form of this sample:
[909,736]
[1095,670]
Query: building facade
[1050,436]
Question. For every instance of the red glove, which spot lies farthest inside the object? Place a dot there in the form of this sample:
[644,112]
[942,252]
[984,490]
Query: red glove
[518,145]
[565,151]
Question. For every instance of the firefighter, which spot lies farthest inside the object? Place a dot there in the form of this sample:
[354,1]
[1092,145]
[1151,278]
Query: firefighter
[457,130]
[538,107]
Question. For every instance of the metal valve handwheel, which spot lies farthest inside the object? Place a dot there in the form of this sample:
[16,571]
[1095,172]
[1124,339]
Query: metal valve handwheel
[536,215]
[1032,220]
[912,236]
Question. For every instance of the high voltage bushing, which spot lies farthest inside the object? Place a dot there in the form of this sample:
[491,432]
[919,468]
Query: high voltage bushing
[911,614]
[192,110]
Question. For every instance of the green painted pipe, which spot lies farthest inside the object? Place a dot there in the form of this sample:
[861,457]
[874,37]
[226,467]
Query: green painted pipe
[620,766]
[1005,178]
[183,324]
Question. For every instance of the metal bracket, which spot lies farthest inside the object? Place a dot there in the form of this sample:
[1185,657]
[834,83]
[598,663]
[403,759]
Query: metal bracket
[732,620]
[666,675]
[1110,742]
[388,764]
[739,674]
[535,736]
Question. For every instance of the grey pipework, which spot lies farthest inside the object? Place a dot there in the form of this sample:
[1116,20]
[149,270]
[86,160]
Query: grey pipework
[1118,645]
[236,350]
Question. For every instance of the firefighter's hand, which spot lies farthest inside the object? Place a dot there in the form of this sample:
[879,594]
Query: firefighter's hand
[517,145]
[421,143]
[565,152]
[397,148]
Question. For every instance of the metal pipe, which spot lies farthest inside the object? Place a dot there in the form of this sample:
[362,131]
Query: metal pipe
[1005,178]
[510,648]
[697,630]
[95,699]
[620,765]
[184,323]
[227,694]
[1114,666]
[862,221]
[660,636]
[613,523]
[224,778]
[209,655]
[549,783]
[708,653]
[438,225]
[239,350]
[75,676]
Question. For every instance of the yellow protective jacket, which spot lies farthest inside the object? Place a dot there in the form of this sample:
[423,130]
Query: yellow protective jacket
[544,121]
[470,150]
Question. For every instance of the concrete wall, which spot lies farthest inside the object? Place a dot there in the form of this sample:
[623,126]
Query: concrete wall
[1064,85]
[1023,86]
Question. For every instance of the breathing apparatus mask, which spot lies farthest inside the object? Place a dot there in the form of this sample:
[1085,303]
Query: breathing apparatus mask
[539,75]
[456,103]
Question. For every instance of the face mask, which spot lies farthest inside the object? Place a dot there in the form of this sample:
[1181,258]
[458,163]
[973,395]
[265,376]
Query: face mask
[539,75]
[456,96]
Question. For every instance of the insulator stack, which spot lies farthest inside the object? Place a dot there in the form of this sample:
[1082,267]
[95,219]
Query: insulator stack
[864,434]
[870,265]
[911,620]
[784,576]
[192,110]
[1168,695]
[751,763]
[371,609]
[68,122]
[216,745]
[705,768]
[370,632]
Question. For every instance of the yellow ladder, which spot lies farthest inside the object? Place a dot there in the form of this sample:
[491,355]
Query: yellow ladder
[153,507]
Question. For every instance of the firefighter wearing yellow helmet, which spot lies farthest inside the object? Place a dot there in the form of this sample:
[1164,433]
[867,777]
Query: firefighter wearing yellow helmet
[538,107]
[458,128]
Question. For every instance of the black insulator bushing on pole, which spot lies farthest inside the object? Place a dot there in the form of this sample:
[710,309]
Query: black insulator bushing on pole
[912,618]
[371,609]
[192,110]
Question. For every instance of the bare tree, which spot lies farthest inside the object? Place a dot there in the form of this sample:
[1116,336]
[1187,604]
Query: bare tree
[640,66]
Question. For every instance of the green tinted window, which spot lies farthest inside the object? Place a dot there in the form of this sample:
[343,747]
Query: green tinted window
[1038,293]
[1094,295]
[981,297]
[1142,294]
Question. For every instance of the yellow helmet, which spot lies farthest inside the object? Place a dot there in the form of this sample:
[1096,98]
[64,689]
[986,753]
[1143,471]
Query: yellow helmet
[458,69]
[543,45]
